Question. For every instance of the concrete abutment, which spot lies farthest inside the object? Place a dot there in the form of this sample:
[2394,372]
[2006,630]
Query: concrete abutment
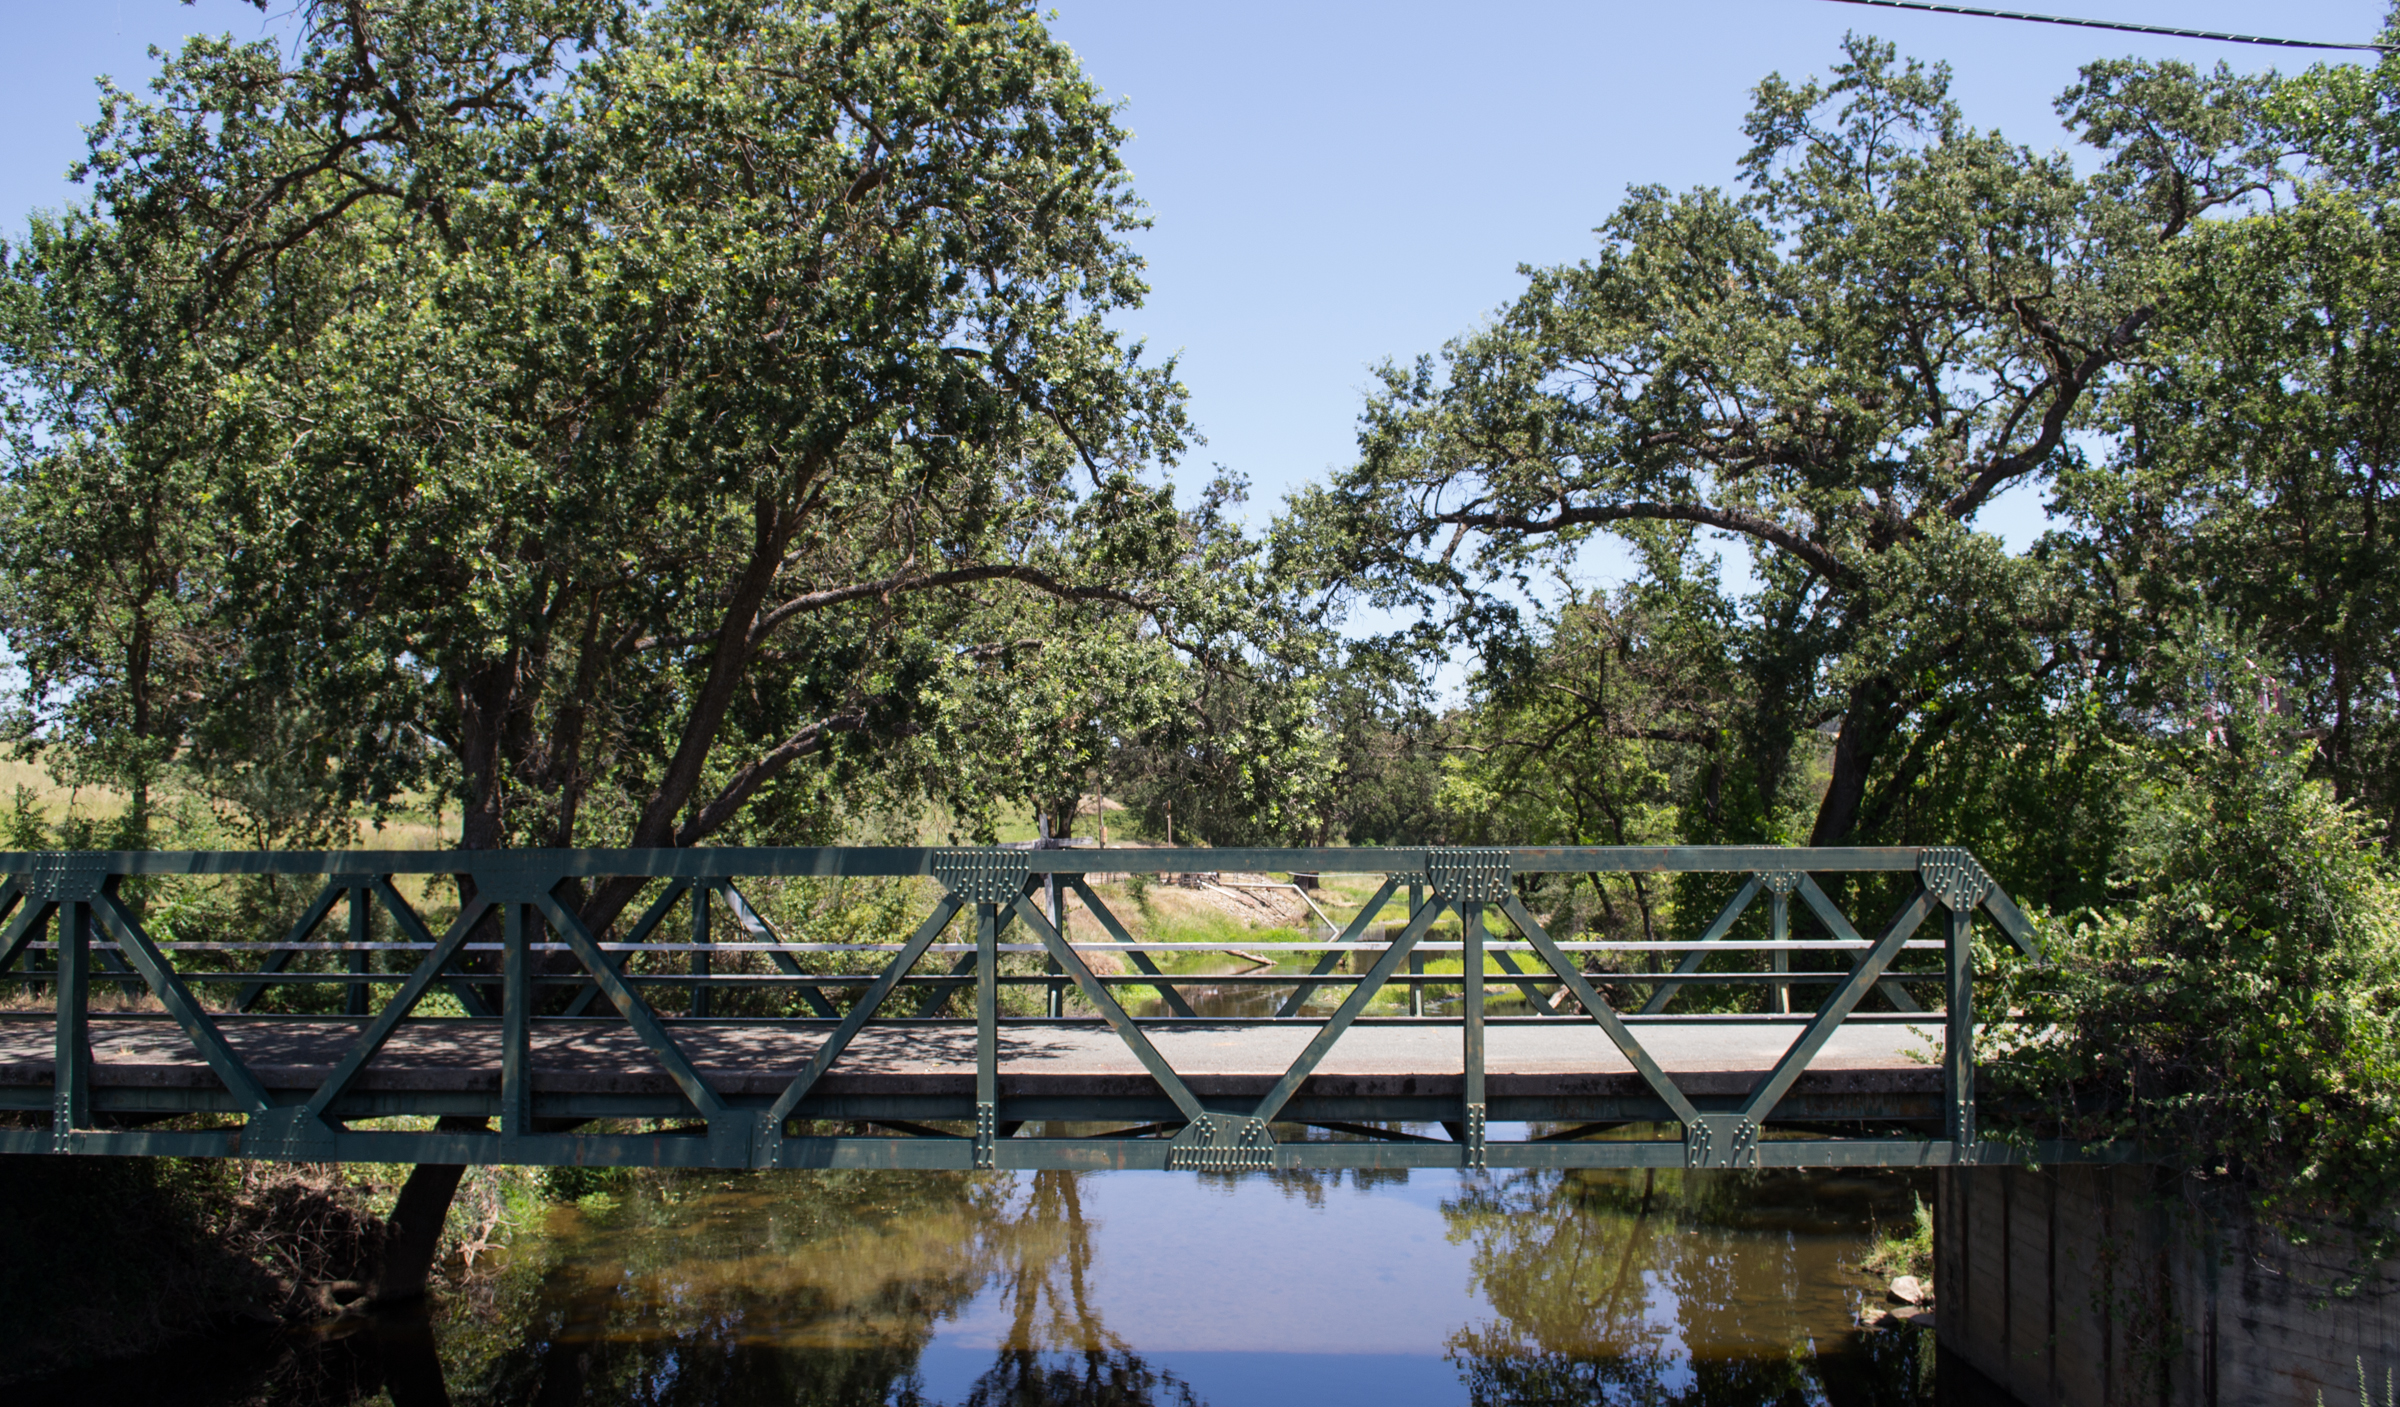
[2095,1286]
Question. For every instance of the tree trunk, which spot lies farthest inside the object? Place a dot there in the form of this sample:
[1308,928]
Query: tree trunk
[1866,725]
[414,1229]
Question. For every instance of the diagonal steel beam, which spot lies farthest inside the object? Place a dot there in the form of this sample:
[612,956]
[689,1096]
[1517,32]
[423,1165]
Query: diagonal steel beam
[1534,996]
[168,986]
[1854,987]
[1666,991]
[642,928]
[758,927]
[310,919]
[938,997]
[1352,934]
[469,1000]
[645,1023]
[1393,955]
[1093,906]
[861,1012]
[23,931]
[402,1003]
[1601,1013]
[2012,921]
[1095,992]
[1838,925]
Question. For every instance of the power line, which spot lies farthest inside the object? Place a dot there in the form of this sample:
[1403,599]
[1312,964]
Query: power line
[2167,30]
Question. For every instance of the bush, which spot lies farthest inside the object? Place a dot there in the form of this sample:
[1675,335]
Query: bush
[2239,1012]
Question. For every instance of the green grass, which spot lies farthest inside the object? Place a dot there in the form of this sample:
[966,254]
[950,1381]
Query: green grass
[1904,1252]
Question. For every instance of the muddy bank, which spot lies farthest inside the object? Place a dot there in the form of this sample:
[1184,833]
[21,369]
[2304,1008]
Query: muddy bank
[105,1259]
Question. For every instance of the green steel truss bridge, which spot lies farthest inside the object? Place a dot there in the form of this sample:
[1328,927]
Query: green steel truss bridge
[516,1034]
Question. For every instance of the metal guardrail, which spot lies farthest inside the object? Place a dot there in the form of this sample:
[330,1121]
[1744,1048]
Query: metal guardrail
[71,923]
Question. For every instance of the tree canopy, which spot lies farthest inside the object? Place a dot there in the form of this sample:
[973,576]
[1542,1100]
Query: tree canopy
[1893,318]
[600,409]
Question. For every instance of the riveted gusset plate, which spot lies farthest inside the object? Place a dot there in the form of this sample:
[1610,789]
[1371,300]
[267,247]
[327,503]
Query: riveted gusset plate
[1953,876]
[1468,876]
[1478,1150]
[983,876]
[1721,1141]
[1962,1126]
[987,1135]
[71,878]
[1781,882]
[289,1134]
[1223,1143]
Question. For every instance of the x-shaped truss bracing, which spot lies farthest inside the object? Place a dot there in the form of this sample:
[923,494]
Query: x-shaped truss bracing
[543,973]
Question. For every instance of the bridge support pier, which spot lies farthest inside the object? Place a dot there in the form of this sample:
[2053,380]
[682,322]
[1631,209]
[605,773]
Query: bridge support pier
[413,1232]
[2078,1286]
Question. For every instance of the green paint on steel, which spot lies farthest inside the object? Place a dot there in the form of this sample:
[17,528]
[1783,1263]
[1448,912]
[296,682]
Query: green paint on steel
[73,894]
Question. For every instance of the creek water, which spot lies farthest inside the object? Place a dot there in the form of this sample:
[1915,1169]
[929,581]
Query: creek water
[1138,1289]
[1129,1289]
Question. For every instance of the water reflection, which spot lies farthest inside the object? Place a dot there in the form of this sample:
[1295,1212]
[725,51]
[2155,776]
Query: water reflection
[1157,1290]
[1665,1287]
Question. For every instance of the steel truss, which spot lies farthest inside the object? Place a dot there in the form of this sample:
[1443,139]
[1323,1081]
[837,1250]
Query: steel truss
[73,909]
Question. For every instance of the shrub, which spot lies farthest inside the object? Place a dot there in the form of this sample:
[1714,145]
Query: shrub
[2239,1011]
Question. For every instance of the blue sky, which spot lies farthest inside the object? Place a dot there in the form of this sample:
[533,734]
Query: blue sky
[1339,182]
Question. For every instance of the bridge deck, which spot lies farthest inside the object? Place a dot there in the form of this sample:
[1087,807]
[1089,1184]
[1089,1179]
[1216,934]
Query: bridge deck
[1074,1059]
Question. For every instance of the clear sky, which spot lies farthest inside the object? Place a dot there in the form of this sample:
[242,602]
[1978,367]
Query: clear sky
[1335,181]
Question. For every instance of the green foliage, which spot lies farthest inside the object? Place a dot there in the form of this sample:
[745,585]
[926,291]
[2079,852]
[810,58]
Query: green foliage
[2256,453]
[639,421]
[2239,1010]
[1892,319]
[1906,1252]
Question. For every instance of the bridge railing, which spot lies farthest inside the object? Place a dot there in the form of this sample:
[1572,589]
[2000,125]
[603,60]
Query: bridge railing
[90,949]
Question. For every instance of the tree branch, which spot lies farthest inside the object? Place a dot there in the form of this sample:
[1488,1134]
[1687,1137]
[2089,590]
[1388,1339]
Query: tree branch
[1815,555]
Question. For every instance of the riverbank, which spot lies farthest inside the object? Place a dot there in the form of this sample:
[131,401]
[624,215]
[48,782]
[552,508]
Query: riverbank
[105,1259]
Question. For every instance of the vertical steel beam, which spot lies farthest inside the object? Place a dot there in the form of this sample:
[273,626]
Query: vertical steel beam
[1055,912]
[1416,961]
[1779,999]
[71,1049]
[1958,1040]
[1471,1003]
[700,962]
[356,998]
[516,1025]
[987,1032]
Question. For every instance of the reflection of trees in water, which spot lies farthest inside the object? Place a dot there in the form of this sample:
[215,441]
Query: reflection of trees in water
[1115,1378]
[1656,1287]
[818,1288]
[1308,1184]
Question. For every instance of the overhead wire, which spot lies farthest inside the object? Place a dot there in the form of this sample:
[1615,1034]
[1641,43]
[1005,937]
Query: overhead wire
[2168,31]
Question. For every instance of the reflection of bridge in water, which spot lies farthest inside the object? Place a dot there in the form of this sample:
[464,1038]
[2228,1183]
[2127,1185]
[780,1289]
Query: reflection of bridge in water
[535,1039]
